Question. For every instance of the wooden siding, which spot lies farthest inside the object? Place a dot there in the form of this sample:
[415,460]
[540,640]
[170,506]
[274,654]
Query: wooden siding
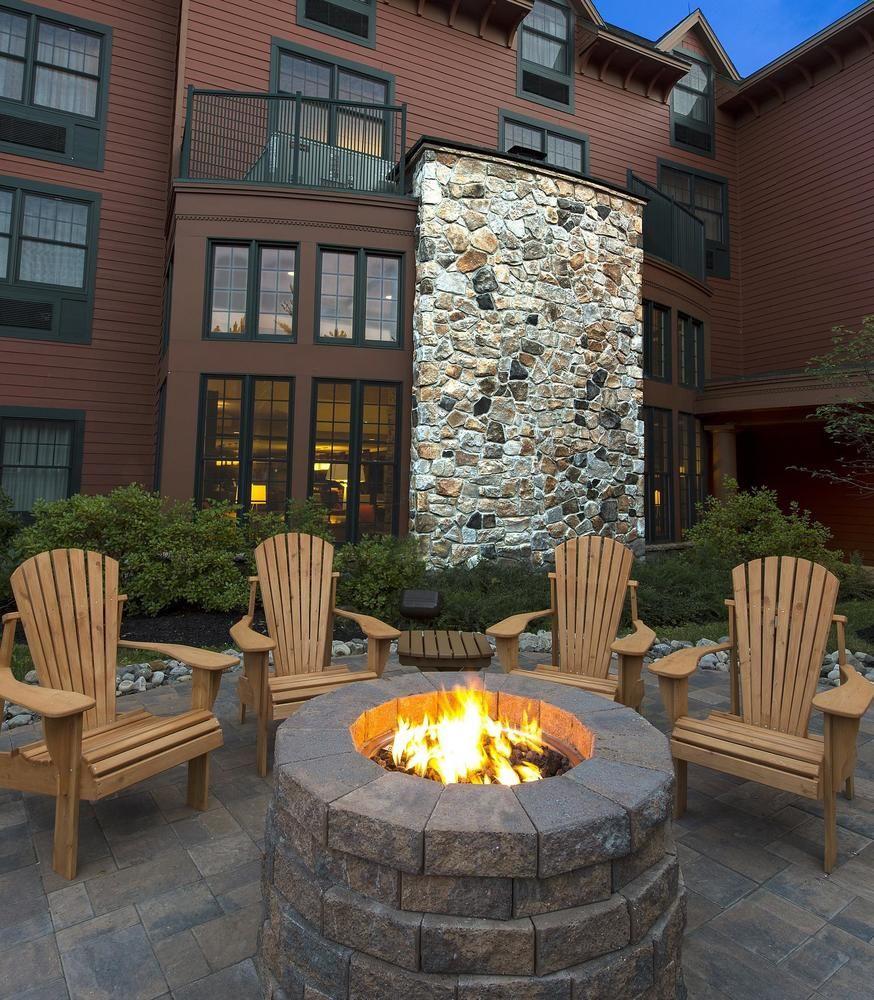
[807,213]
[113,378]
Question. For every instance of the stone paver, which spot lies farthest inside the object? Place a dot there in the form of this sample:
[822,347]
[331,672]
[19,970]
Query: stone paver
[167,902]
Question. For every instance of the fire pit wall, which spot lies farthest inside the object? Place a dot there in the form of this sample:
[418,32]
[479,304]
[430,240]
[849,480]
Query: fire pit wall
[382,885]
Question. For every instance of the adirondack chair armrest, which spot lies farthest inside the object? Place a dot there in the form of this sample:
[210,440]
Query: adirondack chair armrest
[48,702]
[515,625]
[682,664]
[850,699]
[197,659]
[248,640]
[373,628]
[636,644]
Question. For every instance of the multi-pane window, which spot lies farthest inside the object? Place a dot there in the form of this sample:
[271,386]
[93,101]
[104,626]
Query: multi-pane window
[245,442]
[354,456]
[692,108]
[359,293]
[691,468]
[354,20]
[54,241]
[546,54]
[706,198]
[656,340]
[37,459]
[252,291]
[556,147]
[658,474]
[690,334]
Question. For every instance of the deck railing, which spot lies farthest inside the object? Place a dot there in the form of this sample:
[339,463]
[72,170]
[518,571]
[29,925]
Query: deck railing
[670,231]
[292,140]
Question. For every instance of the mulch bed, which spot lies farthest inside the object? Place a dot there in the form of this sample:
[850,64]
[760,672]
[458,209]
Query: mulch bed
[189,628]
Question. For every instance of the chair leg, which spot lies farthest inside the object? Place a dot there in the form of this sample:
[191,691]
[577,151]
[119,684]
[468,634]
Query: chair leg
[681,770]
[198,782]
[64,740]
[242,713]
[850,788]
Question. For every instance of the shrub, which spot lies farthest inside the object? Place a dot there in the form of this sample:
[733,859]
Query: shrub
[857,581]
[681,587]
[475,598]
[310,517]
[10,525]
[373,573]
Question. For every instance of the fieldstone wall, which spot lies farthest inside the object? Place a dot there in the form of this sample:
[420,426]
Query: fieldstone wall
[527,360]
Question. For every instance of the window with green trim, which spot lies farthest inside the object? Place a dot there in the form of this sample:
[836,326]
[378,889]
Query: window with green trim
[546,55]
[48,244]
[706,197]
[245,441]
[53,84]
[690,334]
[40,455]
[656,341]
[359,297]
[658,474]
[354,20]
[693,108]
[252,291]
[545,143]
[691,468]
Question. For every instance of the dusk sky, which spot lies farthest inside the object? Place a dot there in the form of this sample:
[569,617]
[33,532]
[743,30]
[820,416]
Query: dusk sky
[753,32]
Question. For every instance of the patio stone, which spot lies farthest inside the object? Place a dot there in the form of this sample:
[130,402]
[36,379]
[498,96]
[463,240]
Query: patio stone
[767,924]
[239,982]
[181,959]
[177,910]
[92,968]
[69,906]
[29,966]
[230,938]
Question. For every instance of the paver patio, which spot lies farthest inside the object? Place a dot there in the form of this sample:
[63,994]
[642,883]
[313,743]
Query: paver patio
[167,902]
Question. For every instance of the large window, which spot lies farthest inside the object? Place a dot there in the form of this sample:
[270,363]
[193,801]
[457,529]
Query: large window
[354,20]
[359,298]
[706,197]
[40,455]
[545,143]
[690,333]
[245,441]
[656,341]
[252,291]
[692,108]
[691,468]
[354,456]
[658,474]
[546,56]
[47,250]
[52,84]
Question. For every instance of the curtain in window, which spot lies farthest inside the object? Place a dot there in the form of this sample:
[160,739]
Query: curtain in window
[64,54]
[35,461]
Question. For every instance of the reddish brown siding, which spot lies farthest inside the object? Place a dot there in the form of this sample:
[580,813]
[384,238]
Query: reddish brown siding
[113,378]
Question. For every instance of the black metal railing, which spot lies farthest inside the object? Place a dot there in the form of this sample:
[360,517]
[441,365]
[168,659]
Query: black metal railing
[294,140]
[670,231]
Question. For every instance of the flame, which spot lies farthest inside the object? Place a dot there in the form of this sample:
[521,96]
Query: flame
[465,744]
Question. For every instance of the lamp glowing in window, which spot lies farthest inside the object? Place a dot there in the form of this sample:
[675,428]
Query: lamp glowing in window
[259,493]
[657,498]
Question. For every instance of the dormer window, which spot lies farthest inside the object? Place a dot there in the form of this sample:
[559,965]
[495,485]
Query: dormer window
[545,71]
[692,109]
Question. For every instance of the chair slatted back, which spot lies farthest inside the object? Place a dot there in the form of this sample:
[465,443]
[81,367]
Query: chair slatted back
[784,608]
[294,574]
[68,601]
[591,580]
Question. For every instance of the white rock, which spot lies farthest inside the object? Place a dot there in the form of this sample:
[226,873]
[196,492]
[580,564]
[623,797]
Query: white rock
[31,677]
[157,678]
[125,686]
[140,684]
[340,649]
[24,719]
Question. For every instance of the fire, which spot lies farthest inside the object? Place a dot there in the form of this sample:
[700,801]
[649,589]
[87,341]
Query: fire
[464,744]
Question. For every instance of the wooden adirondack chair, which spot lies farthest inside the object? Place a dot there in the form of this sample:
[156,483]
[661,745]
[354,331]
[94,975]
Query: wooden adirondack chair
[779,623]
[592,575]
[70,608]
[299,592]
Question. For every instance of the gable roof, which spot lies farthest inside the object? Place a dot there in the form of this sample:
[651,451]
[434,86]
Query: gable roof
[589,10]
[671,38]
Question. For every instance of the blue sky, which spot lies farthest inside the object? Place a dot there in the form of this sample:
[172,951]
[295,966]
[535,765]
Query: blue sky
[753,32]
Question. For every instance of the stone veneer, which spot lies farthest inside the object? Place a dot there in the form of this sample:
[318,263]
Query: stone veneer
[527,360]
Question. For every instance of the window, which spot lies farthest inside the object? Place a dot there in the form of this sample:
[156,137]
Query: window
[692,484]
[354,456]
[545,143]
[252,291]
[359,298]
[690,333]
[52,85]
[706,197]
[40,455]
[656,341]
[245,441]
[692,108]
[658,474]
[545,72]
[354,20]
[47,251]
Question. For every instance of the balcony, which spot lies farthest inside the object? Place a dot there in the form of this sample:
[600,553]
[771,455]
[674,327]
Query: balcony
[670,231]
[294,141]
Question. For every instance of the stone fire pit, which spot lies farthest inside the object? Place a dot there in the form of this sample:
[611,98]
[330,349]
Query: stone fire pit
[382,885]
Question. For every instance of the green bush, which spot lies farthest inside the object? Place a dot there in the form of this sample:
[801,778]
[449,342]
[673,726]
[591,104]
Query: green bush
[10,524]
[681,587]
[475,598]
[373,573]
[857,581]
[310,517]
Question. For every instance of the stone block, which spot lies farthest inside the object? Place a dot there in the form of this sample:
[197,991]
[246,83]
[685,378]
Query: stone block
[559,892]
[626,737]
[667,932]
[624,973]
[650,895]
[301,888]
[477,947]
[575,826]
[557,987]
[363,924]
[299,744]
[377,881]
[461,896]
[653,849]
[569,937]
[371,979]
[480,830]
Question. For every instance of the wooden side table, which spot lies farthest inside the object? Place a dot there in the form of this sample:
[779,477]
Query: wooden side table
[445,650]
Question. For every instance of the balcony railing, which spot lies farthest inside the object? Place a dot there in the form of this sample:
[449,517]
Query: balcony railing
[670,231]
[297,141]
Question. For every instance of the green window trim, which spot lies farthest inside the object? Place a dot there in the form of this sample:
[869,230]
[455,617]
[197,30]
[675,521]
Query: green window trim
[309,11]
[360,298]
[31,310]
[685,128]
[281,46]
[657,369]
[530,73]
[718,262]
[658,473]
[43,133]
[690,346]
[255,249]
[691,468]
[548,130]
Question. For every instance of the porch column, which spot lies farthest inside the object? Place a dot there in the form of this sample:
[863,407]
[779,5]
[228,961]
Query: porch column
[724,452]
